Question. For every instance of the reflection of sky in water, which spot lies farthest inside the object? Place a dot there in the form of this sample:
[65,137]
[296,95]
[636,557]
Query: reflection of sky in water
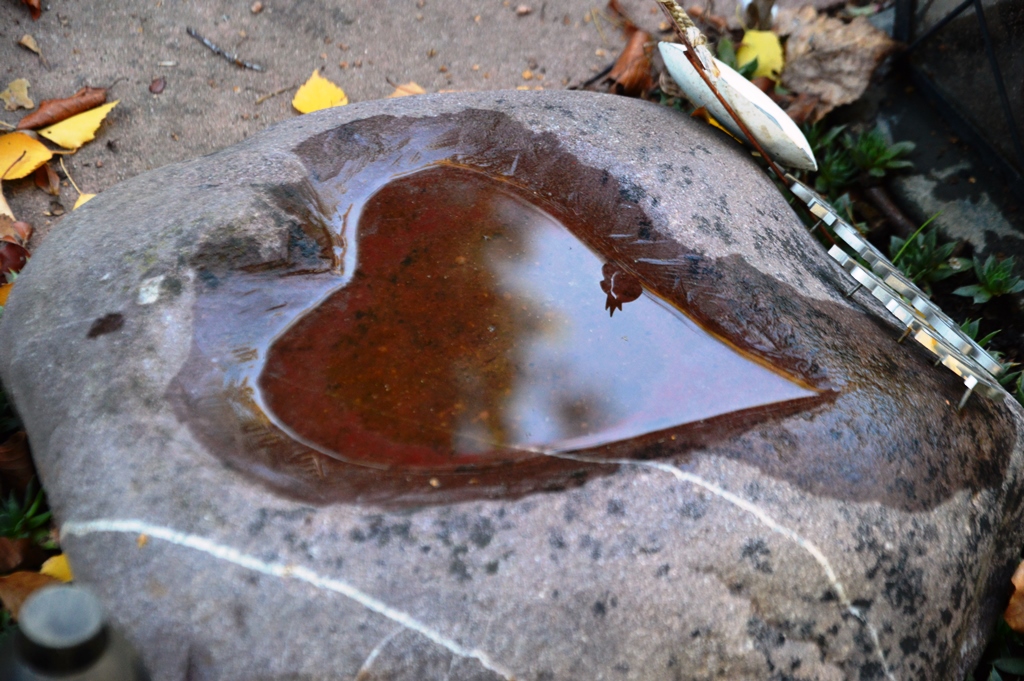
[586,378]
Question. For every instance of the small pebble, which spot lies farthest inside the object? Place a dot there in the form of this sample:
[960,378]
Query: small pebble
[257,7]
[158,85]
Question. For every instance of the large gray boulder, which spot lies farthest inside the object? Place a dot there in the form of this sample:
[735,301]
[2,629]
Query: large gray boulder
[854,527]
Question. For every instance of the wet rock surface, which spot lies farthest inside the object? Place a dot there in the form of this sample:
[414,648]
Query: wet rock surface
[279,448]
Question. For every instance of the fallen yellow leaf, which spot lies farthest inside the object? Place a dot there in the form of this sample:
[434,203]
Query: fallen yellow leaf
[5,290]
[318,93]
[21,155]
[77,130]
[16,95]
[766,48]
[58,568]
[406,89]
[82,199]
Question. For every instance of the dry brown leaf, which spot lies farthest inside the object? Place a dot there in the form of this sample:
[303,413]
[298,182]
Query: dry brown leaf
[14,231]
[1014,614]
[631,74]
[406,89]
[16,588]
[833,60]
[12,258]
[46,179]
[34,7]
[12,553]
[21,554]
[55,110]
[16,468]
[29,43]
[801,108]
[16,95]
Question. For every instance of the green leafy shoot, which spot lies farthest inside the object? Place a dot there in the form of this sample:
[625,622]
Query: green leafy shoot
[727,55]
[923,260]
[1009,377]
[24,520]
[835,172]
[970,327]
[1005,653]
[995,278]
[913,236]
[872,153]
[819,138]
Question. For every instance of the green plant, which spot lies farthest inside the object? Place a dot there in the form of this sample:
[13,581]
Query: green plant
[1005,653]
[923,259]
[995,278]
[726,53]
[819,138]
[873,154]
[24,520]
[835,172]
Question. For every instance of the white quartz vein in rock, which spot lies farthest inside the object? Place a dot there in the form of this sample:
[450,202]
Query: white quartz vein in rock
[372,657]
[765,519]
[81,528]
[86,527]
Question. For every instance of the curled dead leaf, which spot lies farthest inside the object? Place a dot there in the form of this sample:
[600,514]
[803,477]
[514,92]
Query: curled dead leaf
[12,258]
[34,7]
[15,231]
[30,44]
[46,179]
[631,73]
[17,587]
[832,60]
[56,110]
[16,95]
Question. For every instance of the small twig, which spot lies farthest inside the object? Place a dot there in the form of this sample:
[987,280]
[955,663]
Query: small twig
[8,125]
[68,175]
[275,93]
[901,224]
[233,58]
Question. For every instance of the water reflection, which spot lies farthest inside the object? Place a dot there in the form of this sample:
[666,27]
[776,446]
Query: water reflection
[476,326]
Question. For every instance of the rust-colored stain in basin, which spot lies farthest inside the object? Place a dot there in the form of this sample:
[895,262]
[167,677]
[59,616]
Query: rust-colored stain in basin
[475,330]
